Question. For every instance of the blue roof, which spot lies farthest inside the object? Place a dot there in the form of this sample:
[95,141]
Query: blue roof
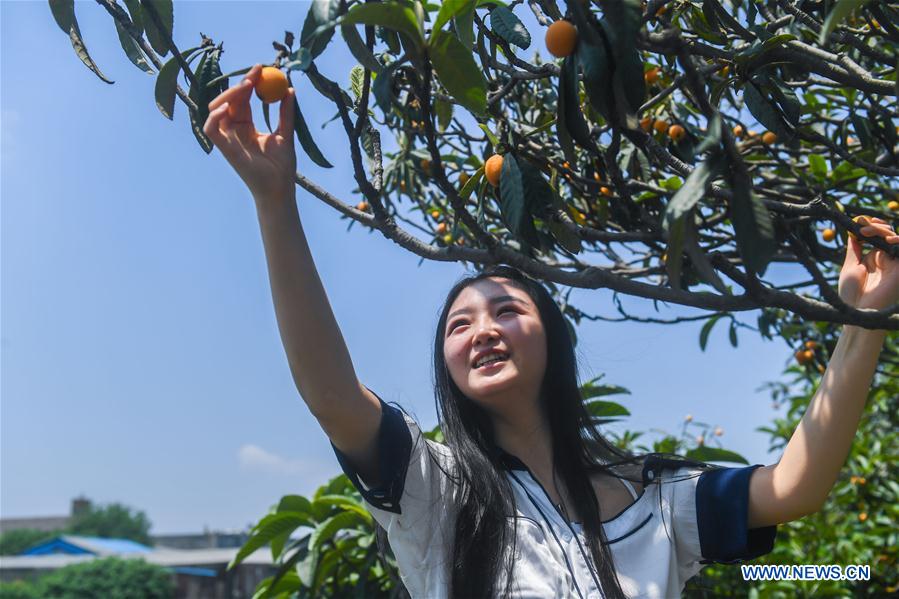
[76,544]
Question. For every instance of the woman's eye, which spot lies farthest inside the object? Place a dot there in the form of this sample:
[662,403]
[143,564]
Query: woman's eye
[505,309]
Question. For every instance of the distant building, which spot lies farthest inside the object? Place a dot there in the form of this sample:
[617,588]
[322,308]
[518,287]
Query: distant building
[80,505]
[208,539]
[197,573]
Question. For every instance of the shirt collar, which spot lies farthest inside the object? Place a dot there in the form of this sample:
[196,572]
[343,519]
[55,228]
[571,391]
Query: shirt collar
[509,461]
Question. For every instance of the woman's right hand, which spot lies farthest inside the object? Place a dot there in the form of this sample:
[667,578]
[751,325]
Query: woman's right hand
[267,163]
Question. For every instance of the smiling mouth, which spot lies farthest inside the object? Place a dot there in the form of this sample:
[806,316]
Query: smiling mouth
[493,362]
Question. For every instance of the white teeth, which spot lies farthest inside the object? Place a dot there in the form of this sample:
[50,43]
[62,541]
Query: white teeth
[490,358]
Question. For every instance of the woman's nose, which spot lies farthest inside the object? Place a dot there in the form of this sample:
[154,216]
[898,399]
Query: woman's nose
[485,331]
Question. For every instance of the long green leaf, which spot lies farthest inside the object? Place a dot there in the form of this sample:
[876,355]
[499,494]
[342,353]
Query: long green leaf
[358,48]
[382,88]
[715,454]
[167,84]
[597,70]
[509,27]
[606,409]
[318,28]
[391,15]
[458,72]
[132,50]
[166,14]
[64,15]
[513,208]
[570,116]
[463,23]
[270,527]
[706,329]
[753,228]
[448,10]
[766,111]
[306,141]
[136,14]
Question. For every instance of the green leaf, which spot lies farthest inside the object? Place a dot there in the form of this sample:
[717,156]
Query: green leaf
[506,25]
[704,453]
[513,208]
[347,504]
[132,50]
[166,15]
[327,529]
[391,15]
[358,48]
[569,109]
[471,184]
[382,88]
[206,71]
[448,10]
[444,112]
[818,165]
[597,70]
[269,527]
[64,14]
[493,139]
[591,390]
[357,74]
[318,28]
[753,228]
[606,409]
[689,194]
[732,334]
[463,23]
[306,141]
[134,10]
[167,84]
[458,72]
[767,112]
[706,329]
[841,10]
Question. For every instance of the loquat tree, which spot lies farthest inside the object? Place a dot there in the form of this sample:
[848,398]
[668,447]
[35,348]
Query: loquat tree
[701,153]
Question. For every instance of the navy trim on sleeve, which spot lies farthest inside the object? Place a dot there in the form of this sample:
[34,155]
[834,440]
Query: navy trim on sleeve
[394,443]
[722,513]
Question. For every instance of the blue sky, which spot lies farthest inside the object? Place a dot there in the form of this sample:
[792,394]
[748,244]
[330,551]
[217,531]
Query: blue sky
[141,361]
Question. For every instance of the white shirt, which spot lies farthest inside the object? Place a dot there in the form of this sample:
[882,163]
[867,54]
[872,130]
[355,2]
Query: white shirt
[658,542]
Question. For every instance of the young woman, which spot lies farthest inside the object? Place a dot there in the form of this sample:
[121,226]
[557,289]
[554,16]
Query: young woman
[526,498]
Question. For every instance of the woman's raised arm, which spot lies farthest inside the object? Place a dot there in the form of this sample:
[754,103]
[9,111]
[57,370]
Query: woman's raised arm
[800,482]
[316,352]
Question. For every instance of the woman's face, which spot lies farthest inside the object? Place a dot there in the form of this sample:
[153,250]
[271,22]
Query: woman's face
[489,317]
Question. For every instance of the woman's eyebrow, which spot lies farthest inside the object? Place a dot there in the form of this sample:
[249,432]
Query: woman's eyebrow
[492,300]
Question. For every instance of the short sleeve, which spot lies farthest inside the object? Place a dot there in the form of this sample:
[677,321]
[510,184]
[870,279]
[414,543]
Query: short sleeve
[414,501]
[710,511]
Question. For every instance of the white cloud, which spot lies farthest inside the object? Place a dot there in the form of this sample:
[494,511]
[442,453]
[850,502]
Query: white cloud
[254,458]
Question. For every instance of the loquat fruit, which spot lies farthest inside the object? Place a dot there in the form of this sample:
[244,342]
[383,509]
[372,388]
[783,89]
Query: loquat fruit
[425,165]
[804,356]
[561,38]
[828,234]
[363,206]
[435,214]
[441,228]
[447,239]
[652,75]
[893,205]
[676,132]
[769,138]
[646,124]
[738,131]
[463,178]
[863,516]
[494,168]
[272,85]
[811,344]
[660,125]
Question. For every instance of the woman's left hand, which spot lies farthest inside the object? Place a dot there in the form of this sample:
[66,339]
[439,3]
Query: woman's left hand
[870,280]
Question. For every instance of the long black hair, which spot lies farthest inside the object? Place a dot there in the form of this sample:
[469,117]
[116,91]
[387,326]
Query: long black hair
[486,500]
